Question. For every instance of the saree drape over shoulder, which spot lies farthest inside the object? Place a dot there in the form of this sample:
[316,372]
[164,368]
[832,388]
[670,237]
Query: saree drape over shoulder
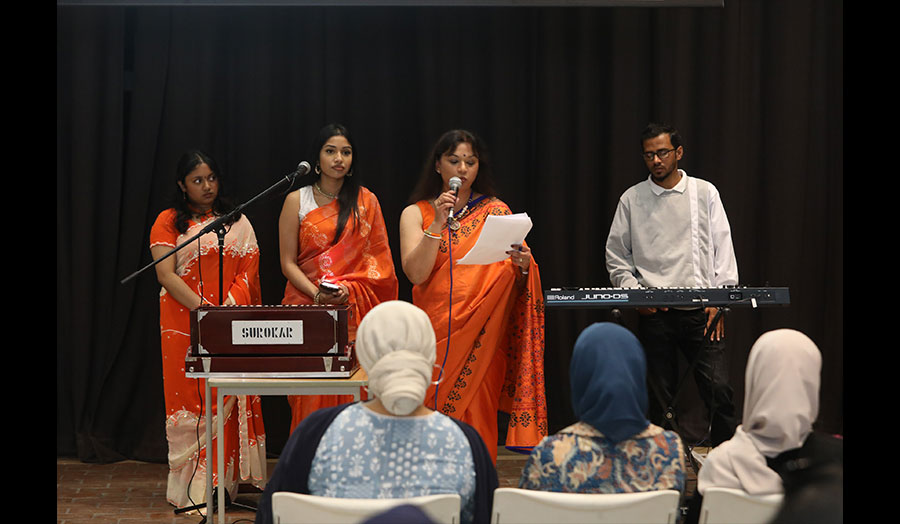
[361,260]
[244,438]
[496,354]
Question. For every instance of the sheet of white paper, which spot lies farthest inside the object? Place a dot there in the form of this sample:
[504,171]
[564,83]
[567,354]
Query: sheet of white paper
[497,235]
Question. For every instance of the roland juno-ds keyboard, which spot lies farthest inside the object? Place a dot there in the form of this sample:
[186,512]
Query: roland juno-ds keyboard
[666,297]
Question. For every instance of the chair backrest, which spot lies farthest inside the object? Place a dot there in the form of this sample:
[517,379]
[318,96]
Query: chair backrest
[734,506]
[523,506]
[297,508]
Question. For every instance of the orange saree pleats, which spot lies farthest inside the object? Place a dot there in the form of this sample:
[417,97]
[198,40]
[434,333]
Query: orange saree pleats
[244,434]
[496,333]
[360,260]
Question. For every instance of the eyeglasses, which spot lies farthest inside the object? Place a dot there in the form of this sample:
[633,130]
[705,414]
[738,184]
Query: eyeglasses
[662,154]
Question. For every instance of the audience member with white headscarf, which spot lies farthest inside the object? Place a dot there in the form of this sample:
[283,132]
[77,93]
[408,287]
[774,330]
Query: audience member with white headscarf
[391,446]
[397,350]
[776,438]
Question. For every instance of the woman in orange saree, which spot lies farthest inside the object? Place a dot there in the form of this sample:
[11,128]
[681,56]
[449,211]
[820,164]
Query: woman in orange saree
[190,278]
[494,320]
[332,230]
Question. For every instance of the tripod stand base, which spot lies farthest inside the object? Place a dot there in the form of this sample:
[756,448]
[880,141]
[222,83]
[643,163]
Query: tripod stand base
[215,500]
[202,505]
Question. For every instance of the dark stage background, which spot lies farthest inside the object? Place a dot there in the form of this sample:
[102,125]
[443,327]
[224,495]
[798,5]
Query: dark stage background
[560,95]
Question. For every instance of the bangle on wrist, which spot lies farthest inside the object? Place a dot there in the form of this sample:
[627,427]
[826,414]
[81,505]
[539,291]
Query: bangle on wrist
[316,298]
[429,234]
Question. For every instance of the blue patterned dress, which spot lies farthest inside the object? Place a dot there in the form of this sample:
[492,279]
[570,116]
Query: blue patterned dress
[364,454]
[579,459]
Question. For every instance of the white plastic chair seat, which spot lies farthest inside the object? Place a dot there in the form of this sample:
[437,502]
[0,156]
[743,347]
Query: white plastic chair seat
[524,506]
[297,508]
[735,506]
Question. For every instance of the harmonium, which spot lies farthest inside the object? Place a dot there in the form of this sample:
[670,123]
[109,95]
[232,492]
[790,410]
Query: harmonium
[304,341]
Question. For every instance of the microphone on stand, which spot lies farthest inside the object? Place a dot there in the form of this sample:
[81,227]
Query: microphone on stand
[302,169]
[454,183]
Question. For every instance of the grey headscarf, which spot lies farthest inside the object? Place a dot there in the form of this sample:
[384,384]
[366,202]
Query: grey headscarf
[781,402]
[395,344]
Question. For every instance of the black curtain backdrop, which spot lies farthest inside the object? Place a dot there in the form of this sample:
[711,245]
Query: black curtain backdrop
[559,94]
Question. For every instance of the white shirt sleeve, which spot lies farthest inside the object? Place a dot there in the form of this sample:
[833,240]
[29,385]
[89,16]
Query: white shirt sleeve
[619,257]
[724,261]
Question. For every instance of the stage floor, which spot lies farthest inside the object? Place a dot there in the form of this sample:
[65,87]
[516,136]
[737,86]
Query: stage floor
[135,492]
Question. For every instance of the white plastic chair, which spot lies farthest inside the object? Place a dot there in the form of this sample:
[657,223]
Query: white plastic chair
[524,506]
[297,508]
[735,506]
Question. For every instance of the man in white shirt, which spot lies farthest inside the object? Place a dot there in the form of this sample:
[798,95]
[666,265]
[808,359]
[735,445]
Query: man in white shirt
[671,230]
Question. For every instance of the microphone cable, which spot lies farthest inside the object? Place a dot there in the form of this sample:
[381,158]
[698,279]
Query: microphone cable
[449,314]
[209,467]
[454,184]
[471,203]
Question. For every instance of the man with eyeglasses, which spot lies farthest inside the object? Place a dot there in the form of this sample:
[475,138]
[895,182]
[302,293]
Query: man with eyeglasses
[671,231]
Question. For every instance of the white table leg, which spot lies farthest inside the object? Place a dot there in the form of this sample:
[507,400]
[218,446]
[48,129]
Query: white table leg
[220,454]
[264,386]
[209,481]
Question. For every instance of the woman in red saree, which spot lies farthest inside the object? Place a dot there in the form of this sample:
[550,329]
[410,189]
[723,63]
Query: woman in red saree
[190,278]
[331,229]
[495,357]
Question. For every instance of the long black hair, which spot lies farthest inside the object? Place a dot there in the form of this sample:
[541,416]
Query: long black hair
[349,194]
[430,182]
[186,164]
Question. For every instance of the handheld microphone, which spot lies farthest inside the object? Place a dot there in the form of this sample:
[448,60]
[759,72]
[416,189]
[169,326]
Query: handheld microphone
[454,183]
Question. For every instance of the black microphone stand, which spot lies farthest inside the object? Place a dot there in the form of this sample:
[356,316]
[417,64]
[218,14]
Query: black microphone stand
[218,226]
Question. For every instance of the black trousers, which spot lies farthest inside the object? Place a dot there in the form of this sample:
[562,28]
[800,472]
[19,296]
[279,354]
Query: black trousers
[664,334]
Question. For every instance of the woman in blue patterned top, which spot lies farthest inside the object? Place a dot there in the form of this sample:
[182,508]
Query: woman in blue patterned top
[613,448]
[391,446]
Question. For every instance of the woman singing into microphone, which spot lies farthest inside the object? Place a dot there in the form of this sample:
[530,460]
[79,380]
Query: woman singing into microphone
[494,359]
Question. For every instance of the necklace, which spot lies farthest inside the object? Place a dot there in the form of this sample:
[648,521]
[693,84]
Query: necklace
[319,189]
[453,222]
[199,215]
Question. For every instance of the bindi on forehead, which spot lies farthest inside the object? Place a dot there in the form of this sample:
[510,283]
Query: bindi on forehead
[201,171]
[463,150]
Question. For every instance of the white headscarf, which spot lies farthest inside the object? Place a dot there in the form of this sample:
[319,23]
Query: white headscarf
[781,402]
[395,344]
